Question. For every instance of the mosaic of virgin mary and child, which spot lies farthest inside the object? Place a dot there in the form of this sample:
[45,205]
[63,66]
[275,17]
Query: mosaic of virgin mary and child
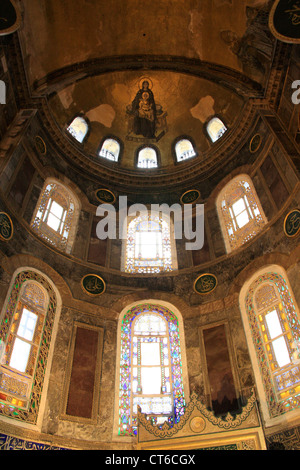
[146,115]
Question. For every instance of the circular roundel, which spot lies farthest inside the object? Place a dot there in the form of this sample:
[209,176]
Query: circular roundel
[105,196]
[40,145]
[6,227]
[190,197]
[292,223]
[93,285]
[197,424]
[255,143]
[205,284]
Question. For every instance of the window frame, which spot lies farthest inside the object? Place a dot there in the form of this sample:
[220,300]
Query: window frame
[237,188]
[40,313]
[25,407]
[87,134]
[158,158]
[139,393]
[167,263]
[122,399]
[207,123]
[275,410]
[189,159]
[54,190]
[47,213]
[121,149]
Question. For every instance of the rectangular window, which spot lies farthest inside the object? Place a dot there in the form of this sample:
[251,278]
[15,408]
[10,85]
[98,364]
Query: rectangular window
[55,216]
[22,345]
[150,354]
[148,245]
[151,380]
[27,324]
[273,324]
[20,355]
[276,336]
[241,211]
[281,352]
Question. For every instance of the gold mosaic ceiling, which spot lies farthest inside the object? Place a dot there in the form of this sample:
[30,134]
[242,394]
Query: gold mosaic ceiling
[90,58]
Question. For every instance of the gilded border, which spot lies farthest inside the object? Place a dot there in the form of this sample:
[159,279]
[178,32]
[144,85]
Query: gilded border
[190,190]
[298,231]
[199,277]
[88,293]
[12,228]
[275,33]
[108,191]
[16,24]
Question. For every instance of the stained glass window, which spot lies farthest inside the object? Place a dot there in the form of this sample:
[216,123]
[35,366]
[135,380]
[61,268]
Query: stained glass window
[110,150]
[148,245]
[78,129]
[147,158]
[184,150]
[55,216]
[240,212]
[275,331]
[150,368]
[215,129]
[22,346]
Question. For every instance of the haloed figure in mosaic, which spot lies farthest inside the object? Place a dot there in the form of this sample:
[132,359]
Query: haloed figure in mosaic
[144,111]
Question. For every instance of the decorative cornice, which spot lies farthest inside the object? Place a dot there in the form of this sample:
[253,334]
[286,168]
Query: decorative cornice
[221,75]
[216,159]
[197,172]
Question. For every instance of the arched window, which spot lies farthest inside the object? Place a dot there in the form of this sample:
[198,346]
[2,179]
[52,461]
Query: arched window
[215,129]
[147,158]
[184,150]
[25,335]
[110,150]
[148,247]
[150,371]
[56,214]
[78,129]
[240,212]
[31,315]
[273,332]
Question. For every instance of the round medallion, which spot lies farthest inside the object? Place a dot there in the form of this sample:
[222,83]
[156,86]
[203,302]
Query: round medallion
[205,284]
[93,285]
[197,424]
[40,145]
[292,223]
[284,21]
[190,197]
[105,196]
[6,227]
[10,17]
[255,143]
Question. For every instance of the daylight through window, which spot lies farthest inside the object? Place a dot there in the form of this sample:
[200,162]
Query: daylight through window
[78,129]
